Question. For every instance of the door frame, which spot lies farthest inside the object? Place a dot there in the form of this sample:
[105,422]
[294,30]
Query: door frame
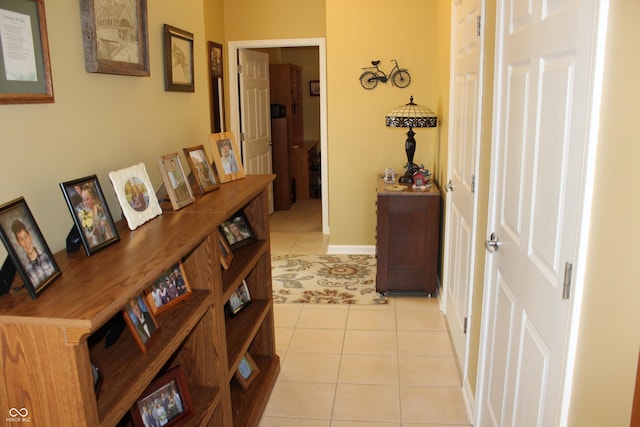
[234,103]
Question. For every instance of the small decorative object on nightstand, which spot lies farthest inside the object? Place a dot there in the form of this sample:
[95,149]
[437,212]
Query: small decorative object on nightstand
[389,176]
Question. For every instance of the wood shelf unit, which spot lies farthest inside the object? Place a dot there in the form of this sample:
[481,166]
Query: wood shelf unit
[47,343]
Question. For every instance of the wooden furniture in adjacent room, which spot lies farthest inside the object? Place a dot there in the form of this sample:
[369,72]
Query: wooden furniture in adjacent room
[300,168]
[48,344]
[408,238]
[282,196]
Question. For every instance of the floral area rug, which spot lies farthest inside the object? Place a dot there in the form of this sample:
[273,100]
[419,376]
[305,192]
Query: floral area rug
[325,279]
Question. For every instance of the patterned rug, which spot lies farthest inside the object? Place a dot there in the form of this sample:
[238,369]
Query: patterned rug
[325,279]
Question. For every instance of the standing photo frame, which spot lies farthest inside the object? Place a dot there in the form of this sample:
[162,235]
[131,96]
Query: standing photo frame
[171,387]
[25,66]
[227,156]
[226,255]
[178,60]
[90,213]
[135,194]
[26,247]
[111,49]
[237,231]
[169,289]
[201,168]
[239,299]
[175,181]
[247,371]
[141,322]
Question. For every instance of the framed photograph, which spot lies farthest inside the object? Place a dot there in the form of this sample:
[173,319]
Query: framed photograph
[227,156]
[25,67]
[239,299]
[237,231]
[141,322]
[166,402]
[135,194]
[90,213]
[201,168]
[314,87]
[216,72]
[175,181]
[178,60]
[26,247]
[226,256]
[247,371]
[115,37]
[169,289]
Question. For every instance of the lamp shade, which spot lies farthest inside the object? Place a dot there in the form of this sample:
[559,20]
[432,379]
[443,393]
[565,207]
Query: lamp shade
[411,116]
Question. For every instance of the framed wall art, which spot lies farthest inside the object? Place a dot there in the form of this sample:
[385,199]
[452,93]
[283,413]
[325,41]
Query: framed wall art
[201,168]
[216,74]
[178,60]
[135,194]
[169,289]
[165,402]
[25,66]
[26,247]
[314,87]
[175,181]
[115,37]
[227,156]
[141,322]
[237,231]
[90,213]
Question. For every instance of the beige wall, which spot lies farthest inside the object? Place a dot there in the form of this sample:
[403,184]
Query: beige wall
[98,122]
[609,338]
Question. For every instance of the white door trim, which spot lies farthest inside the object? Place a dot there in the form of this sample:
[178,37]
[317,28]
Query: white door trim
[234,103]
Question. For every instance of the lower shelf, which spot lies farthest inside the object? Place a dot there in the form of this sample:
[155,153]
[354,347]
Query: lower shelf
[248,405]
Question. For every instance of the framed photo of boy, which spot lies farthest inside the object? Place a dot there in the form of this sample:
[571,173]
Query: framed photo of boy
[141,322]
[175,181]
[237,231]
[26,247]
[90,213]
[170,288]
[201,168]
[239,299]
[178,60]
[247,371]
[165,402]
[226,156]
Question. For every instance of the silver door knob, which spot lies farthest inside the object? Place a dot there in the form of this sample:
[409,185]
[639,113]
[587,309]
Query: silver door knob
[493,244]
[449,186]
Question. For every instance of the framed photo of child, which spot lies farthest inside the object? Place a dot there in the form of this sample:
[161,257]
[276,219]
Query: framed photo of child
[226,156]
[26,247]
[141,322]
[90,213]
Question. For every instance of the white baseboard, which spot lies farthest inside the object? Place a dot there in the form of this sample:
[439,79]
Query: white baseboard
[469,400]
[352,250]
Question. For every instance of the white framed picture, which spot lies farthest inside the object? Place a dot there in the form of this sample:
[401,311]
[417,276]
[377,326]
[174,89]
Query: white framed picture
[135,194]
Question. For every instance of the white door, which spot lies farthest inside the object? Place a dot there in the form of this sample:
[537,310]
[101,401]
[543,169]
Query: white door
[255,121]
[543,90]
[464,146]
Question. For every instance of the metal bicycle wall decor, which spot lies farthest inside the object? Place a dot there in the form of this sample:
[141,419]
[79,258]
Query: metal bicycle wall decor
[399,77]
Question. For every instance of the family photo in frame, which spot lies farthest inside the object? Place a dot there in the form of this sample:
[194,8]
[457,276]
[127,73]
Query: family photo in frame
[226,156]
[201,168]
[170,288]
[239,299]
[26,247]
[90,213]
[175,181]
[141,322]
[237,231]
[165,402]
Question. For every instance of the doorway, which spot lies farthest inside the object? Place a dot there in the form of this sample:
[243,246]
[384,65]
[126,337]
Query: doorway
[234,103]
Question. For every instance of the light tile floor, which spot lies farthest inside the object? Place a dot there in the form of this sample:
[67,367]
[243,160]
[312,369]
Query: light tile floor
[357,365]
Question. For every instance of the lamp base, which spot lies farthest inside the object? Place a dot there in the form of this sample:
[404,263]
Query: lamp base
[407,178]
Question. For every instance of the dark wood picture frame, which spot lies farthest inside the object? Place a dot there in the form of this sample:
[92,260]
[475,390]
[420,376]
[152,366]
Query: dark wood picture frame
[247,371]
[169,289]
[173,385]
[178,60]
[135,308]
[176,181]
[119,45]
[237,231]
[216,82]
[201,168]
[90,213]
[22,238]
[239,299]
[226,255]
[314,87]
[25,75]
